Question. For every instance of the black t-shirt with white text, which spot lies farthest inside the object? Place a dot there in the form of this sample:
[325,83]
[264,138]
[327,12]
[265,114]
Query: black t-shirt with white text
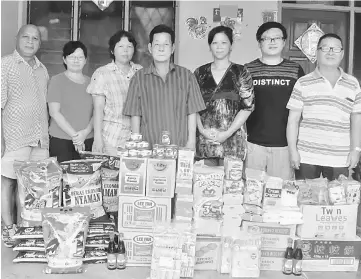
[273,85]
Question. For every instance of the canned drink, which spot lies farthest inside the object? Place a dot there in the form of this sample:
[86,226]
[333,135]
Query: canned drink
[171,151]
[145,153]
[143,145]
[155,149]
[136,137]
[130,144]
[165,137]
[160,152]
[122,152]
[133,153]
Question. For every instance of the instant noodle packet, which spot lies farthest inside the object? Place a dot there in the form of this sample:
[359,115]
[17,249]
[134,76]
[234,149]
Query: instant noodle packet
[336,193]
[82,185]
[65,231]
[352,189]
[39,184]
[319,192]
[109,172]
[30,257]
[30,245]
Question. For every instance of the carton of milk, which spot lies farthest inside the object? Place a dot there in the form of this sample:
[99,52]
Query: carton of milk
[207,253]
[132,176]
[139,247]
[141,213]
[185,164]
[160,178]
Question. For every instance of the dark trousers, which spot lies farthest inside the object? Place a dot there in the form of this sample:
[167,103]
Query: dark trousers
[312,171]
[64,150]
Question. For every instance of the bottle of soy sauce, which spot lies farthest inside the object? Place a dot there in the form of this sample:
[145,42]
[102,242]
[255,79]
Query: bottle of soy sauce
[288,259]
[122,256]
[297,259]
[112,253]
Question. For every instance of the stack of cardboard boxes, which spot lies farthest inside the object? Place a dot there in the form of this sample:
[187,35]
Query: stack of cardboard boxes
[146,188]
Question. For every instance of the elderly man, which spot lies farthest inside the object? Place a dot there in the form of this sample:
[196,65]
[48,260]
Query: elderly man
[164,96]
[24,121]
[327,140]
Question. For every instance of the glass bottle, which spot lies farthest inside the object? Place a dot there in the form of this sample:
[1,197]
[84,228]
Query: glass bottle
[297,259]
[122,256]
[288,259]
[112,253]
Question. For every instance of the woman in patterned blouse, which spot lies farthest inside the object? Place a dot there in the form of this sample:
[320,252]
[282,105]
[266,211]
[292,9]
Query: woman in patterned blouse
[227,90]
[109,88]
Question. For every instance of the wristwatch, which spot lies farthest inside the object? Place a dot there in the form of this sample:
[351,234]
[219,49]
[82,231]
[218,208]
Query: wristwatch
[358,149]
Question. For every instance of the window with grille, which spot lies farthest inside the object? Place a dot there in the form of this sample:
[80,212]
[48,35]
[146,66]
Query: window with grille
[61,21]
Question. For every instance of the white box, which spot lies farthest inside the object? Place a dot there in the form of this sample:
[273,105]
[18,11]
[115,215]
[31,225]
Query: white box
[132,176]
[272,259]
[139,247]
[140,213]
[207,253]
[160,178]
[332,222]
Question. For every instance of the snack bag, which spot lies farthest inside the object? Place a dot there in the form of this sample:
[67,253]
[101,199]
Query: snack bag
[289,194]
[30,257]
[336,193]
[109,173]
[82,185]
[30,245]
[352,189]
[207,182]
[255,181]
[39,185]
[65,231]
[233,168]
[319,190]
[29,232]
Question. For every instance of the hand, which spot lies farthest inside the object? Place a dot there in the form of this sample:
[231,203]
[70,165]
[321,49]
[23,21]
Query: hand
[353,158]
[295,159]
[79,138]
[191,144]
[222,136]
[208,133]
[98,145]
[80,147]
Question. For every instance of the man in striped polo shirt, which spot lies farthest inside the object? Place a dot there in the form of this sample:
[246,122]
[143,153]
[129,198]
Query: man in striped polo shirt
[273,81]
[164,96]
[24,121]
[324,124]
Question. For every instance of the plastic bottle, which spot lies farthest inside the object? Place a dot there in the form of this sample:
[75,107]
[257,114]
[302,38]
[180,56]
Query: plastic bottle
[297,259]
[122,256]
[288,260]
[112,253]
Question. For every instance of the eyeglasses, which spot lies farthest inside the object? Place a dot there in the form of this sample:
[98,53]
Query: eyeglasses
[73,58]
[334,49]
[269,40]
[161,45]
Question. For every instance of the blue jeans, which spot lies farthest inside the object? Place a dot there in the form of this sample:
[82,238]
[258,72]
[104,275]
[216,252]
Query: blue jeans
[312,171]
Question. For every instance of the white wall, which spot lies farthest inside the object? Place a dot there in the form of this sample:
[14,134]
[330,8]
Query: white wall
[193,53]
[9,26]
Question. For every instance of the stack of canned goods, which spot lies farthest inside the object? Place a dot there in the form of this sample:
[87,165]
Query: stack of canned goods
[165,149]
[135,147]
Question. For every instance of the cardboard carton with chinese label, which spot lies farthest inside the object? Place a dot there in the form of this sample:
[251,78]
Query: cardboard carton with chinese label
[274,236]
[160,178]
[332,222]
[132,176]
[140,213]
[272,259]
[207,252]
[331,255]
[139,247]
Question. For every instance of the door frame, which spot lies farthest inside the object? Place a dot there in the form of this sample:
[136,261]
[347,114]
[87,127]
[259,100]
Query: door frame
[351,9]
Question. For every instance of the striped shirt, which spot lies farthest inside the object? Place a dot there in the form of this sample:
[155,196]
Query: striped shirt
[324,134]
[23,103]
[109,81]
[273,86]
[164,105]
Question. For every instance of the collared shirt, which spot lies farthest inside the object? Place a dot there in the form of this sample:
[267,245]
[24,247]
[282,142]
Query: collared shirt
[324,134]
[164,105]
[109,81]
[23,102]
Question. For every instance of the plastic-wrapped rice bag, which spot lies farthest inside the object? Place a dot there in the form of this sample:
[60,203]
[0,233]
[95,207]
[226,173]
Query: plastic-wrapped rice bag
[65,231]
[82,185]
[39,184]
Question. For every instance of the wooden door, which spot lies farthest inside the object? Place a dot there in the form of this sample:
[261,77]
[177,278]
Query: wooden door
[298,21]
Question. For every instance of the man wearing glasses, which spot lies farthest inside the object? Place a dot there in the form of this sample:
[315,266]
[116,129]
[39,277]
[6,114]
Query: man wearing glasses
[273,80]
[324,124]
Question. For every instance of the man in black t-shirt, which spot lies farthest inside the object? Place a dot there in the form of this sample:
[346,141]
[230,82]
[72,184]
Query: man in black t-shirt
[273,80]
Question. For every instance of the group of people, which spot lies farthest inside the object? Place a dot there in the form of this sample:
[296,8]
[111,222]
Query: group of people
[268,112]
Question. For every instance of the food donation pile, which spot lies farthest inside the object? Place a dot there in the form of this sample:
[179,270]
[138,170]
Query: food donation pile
[176,216]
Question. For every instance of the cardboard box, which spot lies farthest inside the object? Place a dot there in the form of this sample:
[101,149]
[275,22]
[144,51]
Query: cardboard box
[336,221]
[274,236]
[139,247]
[160,178]
[207,252]
[140,213]
[132,176]
[331,255]
[272,259]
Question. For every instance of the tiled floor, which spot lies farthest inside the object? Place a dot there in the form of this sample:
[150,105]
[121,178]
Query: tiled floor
[30,271]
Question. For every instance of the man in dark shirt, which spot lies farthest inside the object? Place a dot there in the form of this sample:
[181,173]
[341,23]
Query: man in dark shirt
[164,96]
[273,80]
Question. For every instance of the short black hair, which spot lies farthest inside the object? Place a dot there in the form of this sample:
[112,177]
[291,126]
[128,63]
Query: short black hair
[220,29]
[329,35]
[116,39]
[162,28]
[72,46]
[269,25]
